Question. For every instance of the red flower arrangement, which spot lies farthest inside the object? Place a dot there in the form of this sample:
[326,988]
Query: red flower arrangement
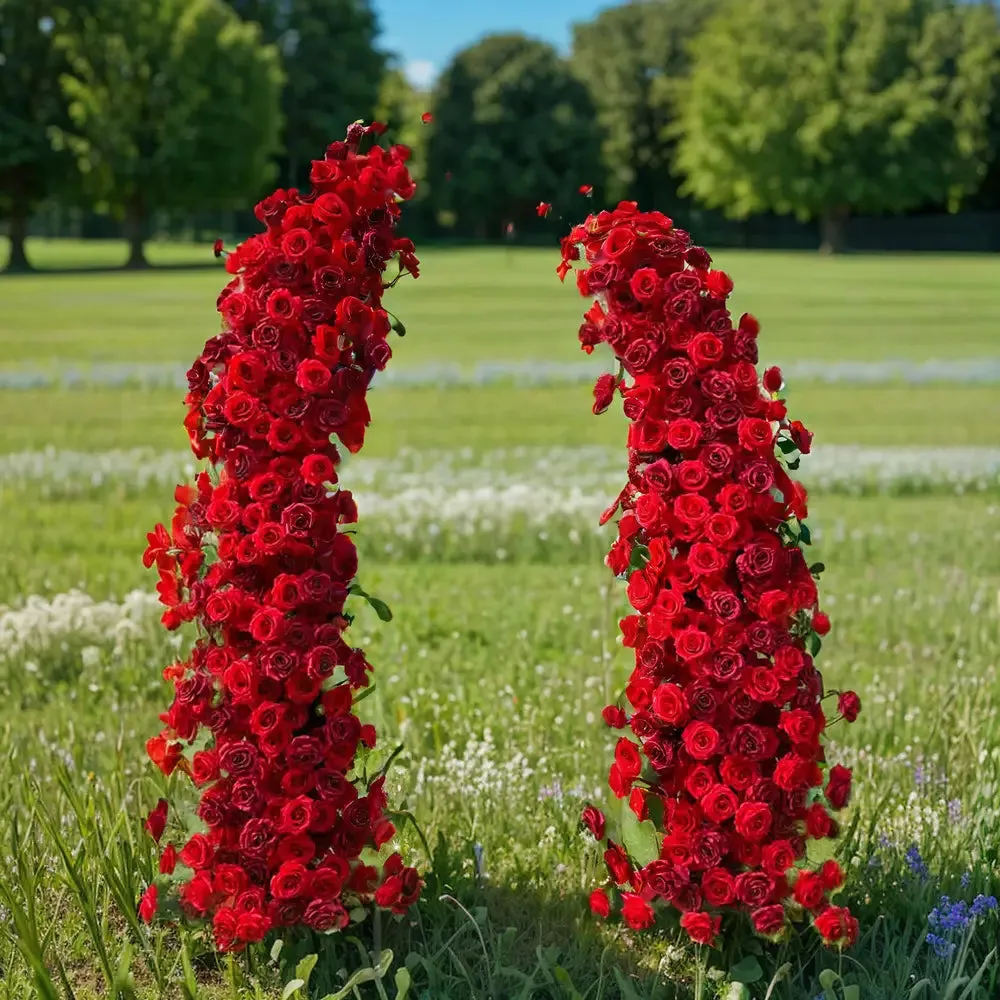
[260,556]
[722,768]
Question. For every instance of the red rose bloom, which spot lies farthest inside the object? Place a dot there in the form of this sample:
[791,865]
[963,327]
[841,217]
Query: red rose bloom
[149,903]
[838,789]
[599,903]
[593,819]
[769,920]
[257,555]
[636,912]
[727,701]
[849,706]
[701,927]
[837,927]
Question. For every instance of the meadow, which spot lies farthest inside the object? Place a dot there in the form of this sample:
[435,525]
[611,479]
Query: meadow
[480,486]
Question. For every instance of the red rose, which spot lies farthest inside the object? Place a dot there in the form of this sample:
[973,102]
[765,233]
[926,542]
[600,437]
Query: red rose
[837,927]
[156,821]
[618,864]
[614,716]
[670,704]
[772,379]
[718,284]
[800,436]
[849,705]
[701,740]
[808,890]
[628,758]
[636,912]
[755,434]
[599,903]
[701,927]
[719,803]
[719,887]
[683,434]
[832,875]
[168,860]
[753,821]
[838,789]
[604,392]
[769,920]
[593,819]
[705,349]
[777,857]
[818,822]
[149,904]
[821,623]
[691,643]
[754,888]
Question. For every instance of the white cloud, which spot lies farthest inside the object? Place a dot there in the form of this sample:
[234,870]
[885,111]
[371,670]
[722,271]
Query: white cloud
[421,73]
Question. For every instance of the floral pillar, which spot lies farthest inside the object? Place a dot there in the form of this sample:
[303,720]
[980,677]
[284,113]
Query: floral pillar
[720,764]
[260,556]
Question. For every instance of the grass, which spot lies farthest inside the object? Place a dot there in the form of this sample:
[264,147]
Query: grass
[499,304]
[493,672]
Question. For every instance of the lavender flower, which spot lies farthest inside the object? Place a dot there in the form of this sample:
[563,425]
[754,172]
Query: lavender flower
[916,863]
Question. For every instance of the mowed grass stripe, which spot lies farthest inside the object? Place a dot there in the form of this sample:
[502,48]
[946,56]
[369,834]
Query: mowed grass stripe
[483,418]
[484,304]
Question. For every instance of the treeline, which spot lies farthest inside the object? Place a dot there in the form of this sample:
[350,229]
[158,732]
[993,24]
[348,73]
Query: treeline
[817,109]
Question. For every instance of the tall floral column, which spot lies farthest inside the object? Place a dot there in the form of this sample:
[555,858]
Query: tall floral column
[260,556]
[720,763]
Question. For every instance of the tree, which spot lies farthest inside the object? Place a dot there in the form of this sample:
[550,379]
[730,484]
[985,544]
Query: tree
[821,108]
[332,66]
[173,103]
[31,105]
[512,127]
[630,58]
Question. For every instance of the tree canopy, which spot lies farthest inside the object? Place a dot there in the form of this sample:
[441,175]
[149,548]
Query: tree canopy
[820,108]
[31,106]
[630,58]
[512,127]
[173,103]
[333,69]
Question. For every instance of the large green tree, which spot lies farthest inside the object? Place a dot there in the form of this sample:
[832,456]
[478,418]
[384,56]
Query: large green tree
[822,108]
[333,70]
[512,127]
[31,106]
[173,103]
[631,57]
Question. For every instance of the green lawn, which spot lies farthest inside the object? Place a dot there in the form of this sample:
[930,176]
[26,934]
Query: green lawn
[497,304]
[497,663]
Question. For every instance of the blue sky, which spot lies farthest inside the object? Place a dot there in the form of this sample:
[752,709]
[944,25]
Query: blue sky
[427,33]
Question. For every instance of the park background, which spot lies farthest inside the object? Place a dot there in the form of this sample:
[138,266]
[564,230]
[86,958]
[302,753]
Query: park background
[135,132]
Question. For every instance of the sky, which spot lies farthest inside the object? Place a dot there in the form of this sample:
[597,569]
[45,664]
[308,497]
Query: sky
[427,33]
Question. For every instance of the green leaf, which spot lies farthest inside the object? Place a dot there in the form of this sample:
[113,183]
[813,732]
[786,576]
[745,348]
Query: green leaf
[379,606]
[641,839]
[276,949]
[804,534]
[814,644]
[817,568]
[397,327]
[291,987]
[304,969]
[403,983]
[627,989]
[794,464]
[747,970]
[639,557]
[381,609]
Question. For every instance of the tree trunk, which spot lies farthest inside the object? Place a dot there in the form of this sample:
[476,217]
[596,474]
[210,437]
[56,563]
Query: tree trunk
[833,226]
[17,260]
[135,226]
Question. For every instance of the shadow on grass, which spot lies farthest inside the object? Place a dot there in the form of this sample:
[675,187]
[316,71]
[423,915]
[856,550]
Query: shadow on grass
[493,943]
